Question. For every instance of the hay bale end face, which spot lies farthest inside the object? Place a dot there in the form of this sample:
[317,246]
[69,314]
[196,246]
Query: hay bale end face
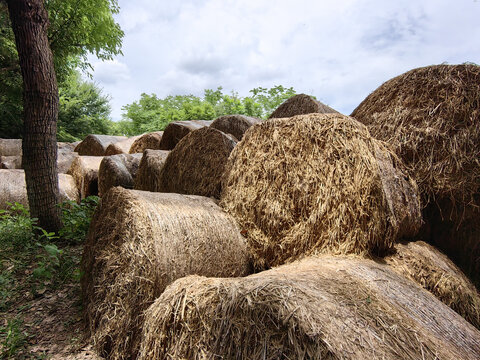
[196,165]
[317,308]
[148,175]
[431,116]
[436,273]
[14,189]
[96,145]
[146,141]
[121,147]
[317,183]
[175,131]
[10,147]
[118,170]
[301,104]
[138,243]
[235,125]
[84,170]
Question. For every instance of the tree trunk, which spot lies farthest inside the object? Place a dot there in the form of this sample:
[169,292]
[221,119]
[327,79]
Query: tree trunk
[40,102]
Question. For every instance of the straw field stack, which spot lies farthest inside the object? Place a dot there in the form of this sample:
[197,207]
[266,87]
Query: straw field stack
[146,141]
[120,147]
[301,104]
[175,131]
[96,145]
[118,170]
[148,174]
[235,125]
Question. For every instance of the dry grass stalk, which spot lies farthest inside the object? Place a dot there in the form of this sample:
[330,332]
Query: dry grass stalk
[175,131]
[148,175]
[10,147]
[11,162]
[436,273]
[317,308]
[317,183]
[96,145]
[138,243]
[84,170]
[235,125]
[196,165]
[146,141]
[431,116]
[301,104]
[121,147]
[13,188]
[118,170]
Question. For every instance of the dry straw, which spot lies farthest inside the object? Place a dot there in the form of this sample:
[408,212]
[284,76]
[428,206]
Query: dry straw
[84,170]
[301,104]
[138,243]
[431,116]
[436,273]
[317,183]
[317,308]
[118,170]
[13,188]
[148,174]
[65,156]
[96,145]
[235,125]
[146,141]
[10,147]
[11,162]
[196,165]
[175,131]
[121,147]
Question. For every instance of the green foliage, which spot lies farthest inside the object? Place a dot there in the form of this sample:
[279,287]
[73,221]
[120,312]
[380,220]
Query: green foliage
[151,113]
[13,337]
[76,219]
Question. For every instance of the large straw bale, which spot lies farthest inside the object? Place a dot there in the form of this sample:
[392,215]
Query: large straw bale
[147,141]
[436,273]
[14,189]
[431,116]
[66,146]
[148,175]
[317,308]
[118,170]
[65,157]
[138,243]
[84,170]
[10,147]
[301,104]
[196,165]
[317,183]
[121,147]
[96,145]
[235,125]
[11,162]
[175,131]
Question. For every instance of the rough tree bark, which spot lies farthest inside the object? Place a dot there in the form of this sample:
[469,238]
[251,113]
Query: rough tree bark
[40,101]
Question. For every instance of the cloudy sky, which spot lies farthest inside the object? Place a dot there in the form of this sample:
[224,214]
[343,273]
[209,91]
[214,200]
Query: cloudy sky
[337,50]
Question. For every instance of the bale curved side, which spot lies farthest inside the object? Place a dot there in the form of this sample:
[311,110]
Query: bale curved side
[317,183]
[197,163]
[146,141]
[235,125]
[138,243]
[175,131]
[96,145]
[10,147]
[148,175]
[120,147]
[117,170]
[11,162]
[84,170]
[317,308]
[301,104]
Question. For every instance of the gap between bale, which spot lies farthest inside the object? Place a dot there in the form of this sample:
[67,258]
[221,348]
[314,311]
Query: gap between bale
[301,104]
[138,243]
[317,308]
[84,170]
[148,174]
[317,183]
[118,170]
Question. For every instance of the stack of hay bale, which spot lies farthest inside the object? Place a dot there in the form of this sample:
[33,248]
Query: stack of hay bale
[330,217]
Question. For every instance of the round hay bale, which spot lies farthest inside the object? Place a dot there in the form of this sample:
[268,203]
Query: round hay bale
[301,104]
[138,243]
[10,147]
[84,170]
[196,165]
[317,308]
[11,162]
[317,183]
[146,141]
[436,273]
[121,147]
[65,157]
[235,125]
[175,131]
[96,145]
[431,116]
[117,170]
[149,170]
[66,146]
[14,189]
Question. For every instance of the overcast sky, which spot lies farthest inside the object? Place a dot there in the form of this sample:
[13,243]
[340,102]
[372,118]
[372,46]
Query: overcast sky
[339,50]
